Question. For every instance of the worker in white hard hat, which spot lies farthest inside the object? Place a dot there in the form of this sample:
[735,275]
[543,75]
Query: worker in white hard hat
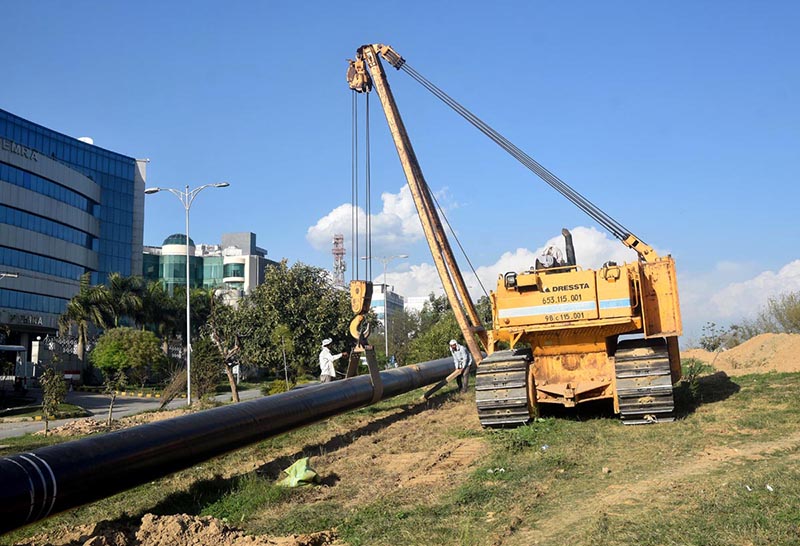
[326,360]
[463,362]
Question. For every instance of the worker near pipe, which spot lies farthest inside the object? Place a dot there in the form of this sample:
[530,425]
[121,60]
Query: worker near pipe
[463,362]
[326,360]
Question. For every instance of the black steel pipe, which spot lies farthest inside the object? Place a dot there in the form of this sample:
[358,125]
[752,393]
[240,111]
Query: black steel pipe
[52,479]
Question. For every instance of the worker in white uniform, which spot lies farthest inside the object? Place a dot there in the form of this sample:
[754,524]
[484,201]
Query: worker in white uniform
[326,360]
[463,362]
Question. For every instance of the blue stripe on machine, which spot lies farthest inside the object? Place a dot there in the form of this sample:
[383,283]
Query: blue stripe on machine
[517,312]
[615,304]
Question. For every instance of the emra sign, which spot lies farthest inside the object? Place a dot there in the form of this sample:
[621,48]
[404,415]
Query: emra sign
[19,149]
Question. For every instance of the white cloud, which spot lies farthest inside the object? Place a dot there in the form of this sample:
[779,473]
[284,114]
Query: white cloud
[592,248]
[745,299]
[731,292]
[396,226]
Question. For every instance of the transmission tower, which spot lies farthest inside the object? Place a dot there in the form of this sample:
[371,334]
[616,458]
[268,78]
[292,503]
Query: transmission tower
[339,265]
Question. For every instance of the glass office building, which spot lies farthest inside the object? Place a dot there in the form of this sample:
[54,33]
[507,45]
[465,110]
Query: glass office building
[236,265]
[67,208]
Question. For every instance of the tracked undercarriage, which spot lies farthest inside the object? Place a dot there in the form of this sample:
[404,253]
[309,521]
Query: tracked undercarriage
[644,384]
[501,391]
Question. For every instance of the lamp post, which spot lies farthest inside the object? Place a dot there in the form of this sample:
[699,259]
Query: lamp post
[9,274]
[186,198]
[385,261]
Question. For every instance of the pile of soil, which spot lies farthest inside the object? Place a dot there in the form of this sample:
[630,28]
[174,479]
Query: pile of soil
[178,530]
[763,353]
[79,427]
[89,425]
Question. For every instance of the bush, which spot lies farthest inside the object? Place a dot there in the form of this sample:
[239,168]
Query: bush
[693,368]
[274,387]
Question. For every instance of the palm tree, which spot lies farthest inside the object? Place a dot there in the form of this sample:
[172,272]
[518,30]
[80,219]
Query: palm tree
[121,298]
[82,311]
[159,312]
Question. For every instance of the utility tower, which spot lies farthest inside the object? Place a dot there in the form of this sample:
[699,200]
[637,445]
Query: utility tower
[339,265]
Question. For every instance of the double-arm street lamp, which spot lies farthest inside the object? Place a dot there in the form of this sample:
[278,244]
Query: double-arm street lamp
[187,197]
[385,261]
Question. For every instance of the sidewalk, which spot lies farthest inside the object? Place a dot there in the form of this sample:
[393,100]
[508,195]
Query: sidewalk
[97,405]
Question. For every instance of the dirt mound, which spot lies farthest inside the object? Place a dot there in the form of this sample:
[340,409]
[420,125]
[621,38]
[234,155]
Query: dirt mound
[177,530]
[764,353]
[90,425]
[79,427]
[151,417]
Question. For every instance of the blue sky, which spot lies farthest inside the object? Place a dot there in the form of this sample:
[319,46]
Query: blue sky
[680,119]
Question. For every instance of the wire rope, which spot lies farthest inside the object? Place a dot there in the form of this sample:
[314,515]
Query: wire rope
[612,225]
[368,197]
[354,186]
[458,242]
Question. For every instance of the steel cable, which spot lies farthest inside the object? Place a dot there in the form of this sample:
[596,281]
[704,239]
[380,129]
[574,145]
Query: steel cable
[464,252]
[612,225]
[354,186]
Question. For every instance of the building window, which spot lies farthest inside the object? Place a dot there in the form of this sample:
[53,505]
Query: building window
[233,270]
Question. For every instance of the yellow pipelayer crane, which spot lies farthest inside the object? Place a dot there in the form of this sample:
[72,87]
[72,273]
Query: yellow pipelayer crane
[561,322]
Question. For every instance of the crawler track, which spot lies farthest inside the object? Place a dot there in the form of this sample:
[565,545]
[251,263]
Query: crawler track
[644,385]
[500,388]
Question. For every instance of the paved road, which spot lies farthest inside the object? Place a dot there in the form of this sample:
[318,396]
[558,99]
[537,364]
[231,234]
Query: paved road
[97,405]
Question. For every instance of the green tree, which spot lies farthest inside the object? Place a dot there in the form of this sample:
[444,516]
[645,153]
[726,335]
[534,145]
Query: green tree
[53,392]
[159,312]
[402,329]
[283,339]
[121,299]
[303,299]
[82,311]
[432,311]
[122,351]
[225,328]
[484,309]
[432,343]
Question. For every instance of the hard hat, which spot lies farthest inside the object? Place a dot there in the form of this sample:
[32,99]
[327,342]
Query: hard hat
[453,342]
[327,341]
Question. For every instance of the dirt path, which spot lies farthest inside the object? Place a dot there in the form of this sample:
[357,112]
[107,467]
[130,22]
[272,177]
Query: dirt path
[617,496]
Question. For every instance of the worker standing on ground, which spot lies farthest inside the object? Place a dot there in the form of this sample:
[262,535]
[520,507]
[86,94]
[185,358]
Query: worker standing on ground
[463,362]
[326,360]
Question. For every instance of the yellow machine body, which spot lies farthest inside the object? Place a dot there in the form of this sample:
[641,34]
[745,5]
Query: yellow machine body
[571,318]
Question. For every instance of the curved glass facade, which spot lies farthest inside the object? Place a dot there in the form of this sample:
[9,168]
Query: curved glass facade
[32,222]
[67,208]
[233,270]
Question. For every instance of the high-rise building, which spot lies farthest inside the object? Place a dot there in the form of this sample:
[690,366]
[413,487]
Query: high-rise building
[236,264]
[386,301]
[67,207]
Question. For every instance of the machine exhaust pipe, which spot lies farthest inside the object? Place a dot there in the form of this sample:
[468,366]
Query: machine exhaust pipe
[570,247]
[52,479]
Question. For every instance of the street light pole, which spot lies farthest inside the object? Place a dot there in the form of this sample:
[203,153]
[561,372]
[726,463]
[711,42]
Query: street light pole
[186,198]
[385,261]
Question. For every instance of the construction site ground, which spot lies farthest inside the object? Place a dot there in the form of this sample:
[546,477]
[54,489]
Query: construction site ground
[409,471]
